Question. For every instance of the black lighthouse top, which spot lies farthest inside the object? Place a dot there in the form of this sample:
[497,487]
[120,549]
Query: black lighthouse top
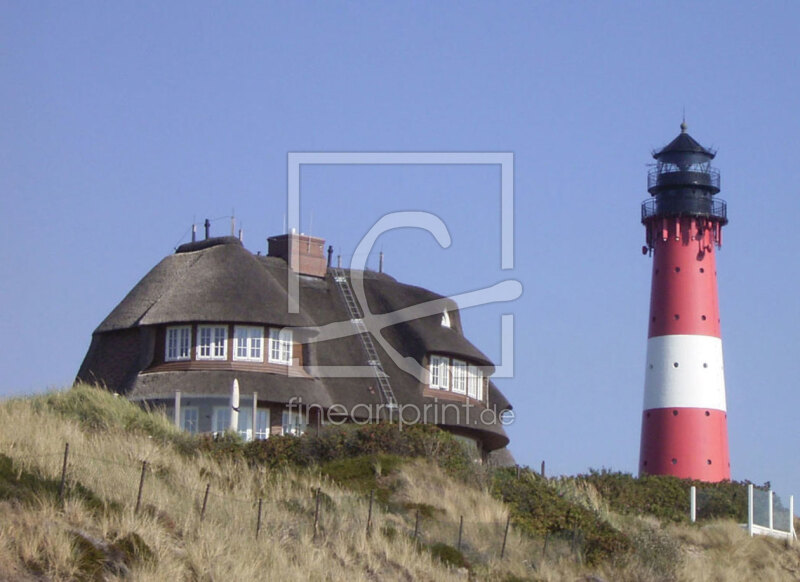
[682,182]
[684,150]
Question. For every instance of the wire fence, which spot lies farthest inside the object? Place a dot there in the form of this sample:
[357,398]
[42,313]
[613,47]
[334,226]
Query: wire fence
[149,488]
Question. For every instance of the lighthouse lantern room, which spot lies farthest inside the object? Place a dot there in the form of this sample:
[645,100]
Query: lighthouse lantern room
[684,422]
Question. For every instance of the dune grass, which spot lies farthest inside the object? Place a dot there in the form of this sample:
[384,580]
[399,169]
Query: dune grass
[94,533]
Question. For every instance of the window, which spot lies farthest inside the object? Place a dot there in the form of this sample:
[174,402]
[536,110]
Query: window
[474,382]
[280,346]
[440,372]
[262,424]
[190,419]
[293,422]
[221,420]
[459,377]
[247,343]
[211,342]
[178,343]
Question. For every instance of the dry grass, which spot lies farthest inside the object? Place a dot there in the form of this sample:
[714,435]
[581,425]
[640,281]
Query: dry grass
[38,538]
[41,539]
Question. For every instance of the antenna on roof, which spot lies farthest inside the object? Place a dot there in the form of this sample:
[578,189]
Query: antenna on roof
[233,222]
[284,224]
[380,262]
[194,232]
[241,234]
[208,228]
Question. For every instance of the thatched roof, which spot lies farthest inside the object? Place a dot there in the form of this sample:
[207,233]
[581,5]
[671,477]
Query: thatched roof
[218,280]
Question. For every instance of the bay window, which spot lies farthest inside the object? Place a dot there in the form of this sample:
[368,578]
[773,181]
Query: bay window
[248,342]
[178,344]
[212,342]
[280,346]
[439,372]
[459,377]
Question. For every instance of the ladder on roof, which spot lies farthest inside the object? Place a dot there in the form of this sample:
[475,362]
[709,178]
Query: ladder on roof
[356,318]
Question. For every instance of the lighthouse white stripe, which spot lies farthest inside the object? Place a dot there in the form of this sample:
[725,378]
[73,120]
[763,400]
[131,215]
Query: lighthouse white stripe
[698,380]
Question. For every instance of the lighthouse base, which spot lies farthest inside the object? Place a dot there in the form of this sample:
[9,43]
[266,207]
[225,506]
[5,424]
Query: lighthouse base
[690,443]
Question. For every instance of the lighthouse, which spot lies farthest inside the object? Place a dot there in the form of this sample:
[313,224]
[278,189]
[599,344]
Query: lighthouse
[684,422]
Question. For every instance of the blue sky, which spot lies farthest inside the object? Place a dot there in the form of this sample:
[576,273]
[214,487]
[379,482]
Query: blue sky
[121,123]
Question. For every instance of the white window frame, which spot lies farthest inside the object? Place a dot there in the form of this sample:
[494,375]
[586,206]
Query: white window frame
[262,424]
[178,343]
[280,345]
[217,346]
[474,380]
[440,373]
[459,377]
[190,419]
[249,341]
[293,422]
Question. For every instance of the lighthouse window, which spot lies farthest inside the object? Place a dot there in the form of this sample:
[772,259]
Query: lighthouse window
[677,269]
[705,364]
[703,317]
[675,364]
[677,317]
[440,367]
[708,461]
[702,270]
[212,342]
[178,343]
[280,346]
[674,461]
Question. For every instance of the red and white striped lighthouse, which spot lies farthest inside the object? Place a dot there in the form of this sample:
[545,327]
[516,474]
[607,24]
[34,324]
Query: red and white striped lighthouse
[684,423]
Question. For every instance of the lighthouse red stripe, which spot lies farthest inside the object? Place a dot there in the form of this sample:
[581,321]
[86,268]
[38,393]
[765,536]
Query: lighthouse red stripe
[690,443]
[683,297]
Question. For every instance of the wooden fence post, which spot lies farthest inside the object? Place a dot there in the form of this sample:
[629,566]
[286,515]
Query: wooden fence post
[258,520]
[505,537]
[316,514]
[141,487]
[369,515]
[416,525]
[63,474]
[205,501]
[460,531]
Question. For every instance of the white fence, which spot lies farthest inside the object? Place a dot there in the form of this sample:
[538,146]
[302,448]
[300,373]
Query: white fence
[766,513]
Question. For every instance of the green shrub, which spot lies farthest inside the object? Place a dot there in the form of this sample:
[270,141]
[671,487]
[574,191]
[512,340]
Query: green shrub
[363,473]
[538,510]
[667,497]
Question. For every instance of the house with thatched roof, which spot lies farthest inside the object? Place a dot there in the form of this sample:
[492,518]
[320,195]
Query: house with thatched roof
[306,343]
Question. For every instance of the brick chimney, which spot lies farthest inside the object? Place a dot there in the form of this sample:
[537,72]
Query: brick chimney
[304,254]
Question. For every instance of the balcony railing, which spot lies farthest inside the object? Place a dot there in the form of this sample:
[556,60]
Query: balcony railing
[709,208]
[664,178]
